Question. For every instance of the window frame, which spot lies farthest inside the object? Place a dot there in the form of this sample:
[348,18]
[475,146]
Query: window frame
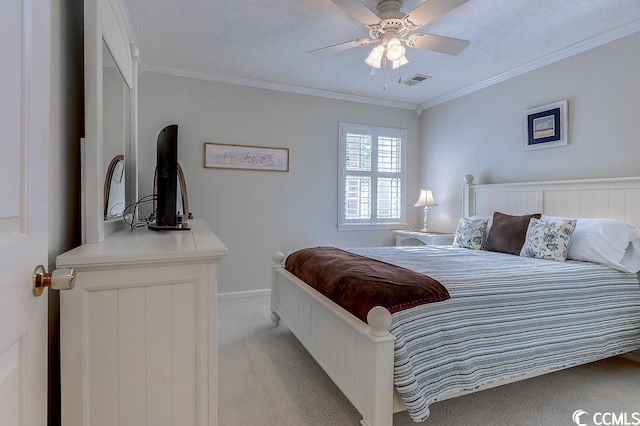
[373,222]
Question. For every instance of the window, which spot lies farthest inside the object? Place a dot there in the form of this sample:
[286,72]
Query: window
[372,177]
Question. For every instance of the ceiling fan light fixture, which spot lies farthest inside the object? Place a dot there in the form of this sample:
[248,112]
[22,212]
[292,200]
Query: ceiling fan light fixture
[393,29]
[395,49]
[375,57]
[400,62]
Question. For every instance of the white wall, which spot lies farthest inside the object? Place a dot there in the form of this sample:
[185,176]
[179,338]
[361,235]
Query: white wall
[481,133]
[256,213]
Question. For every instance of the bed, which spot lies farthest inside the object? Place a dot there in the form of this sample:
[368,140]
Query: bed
[363,358]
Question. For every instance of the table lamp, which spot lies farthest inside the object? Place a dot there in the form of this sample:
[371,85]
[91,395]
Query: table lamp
[426,200]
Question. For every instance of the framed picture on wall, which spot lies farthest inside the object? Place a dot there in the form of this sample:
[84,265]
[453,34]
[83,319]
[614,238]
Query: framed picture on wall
[545,126]
[224,156]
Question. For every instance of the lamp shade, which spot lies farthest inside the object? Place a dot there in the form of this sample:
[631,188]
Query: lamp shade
[426,198]
[375,56]
[400,62]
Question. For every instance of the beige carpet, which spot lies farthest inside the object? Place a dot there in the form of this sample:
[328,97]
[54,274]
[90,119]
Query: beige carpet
[266,377]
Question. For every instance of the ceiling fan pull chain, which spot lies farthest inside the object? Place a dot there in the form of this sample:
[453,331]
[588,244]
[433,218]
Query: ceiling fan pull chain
[384,87]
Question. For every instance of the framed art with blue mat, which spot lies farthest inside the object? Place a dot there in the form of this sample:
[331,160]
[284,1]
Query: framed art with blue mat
[545,126]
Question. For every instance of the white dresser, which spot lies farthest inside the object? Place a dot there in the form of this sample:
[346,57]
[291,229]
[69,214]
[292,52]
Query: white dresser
[138,331]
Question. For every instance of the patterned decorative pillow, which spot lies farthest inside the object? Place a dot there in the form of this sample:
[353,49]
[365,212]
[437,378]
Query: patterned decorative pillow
[470,233]
[548,240]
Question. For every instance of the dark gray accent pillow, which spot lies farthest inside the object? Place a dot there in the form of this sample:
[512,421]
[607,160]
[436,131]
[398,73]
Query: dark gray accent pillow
[507,234]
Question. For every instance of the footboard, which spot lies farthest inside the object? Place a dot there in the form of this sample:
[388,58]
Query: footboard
[358,357]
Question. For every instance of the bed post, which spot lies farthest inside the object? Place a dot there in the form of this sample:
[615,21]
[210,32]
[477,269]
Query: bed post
[278,262]
[468,202]
[378,398]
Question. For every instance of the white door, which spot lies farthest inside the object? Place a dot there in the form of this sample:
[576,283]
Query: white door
[24,133]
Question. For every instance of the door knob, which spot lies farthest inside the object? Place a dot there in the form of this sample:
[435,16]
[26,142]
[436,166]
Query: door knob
[59,279]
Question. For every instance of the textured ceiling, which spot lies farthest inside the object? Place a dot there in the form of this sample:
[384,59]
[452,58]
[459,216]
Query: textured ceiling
[264,43]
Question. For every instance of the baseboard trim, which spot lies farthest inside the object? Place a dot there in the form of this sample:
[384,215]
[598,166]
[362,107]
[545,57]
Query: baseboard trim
[243,294]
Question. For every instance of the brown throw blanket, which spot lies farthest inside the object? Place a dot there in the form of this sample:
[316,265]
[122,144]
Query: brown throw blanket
[359,283]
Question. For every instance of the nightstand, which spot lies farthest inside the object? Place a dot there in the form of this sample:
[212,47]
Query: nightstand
[404,238]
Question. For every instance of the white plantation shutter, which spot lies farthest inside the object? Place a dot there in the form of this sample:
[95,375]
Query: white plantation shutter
[358,152]
[357,198]
[389,198]
[390,154]
[372,175]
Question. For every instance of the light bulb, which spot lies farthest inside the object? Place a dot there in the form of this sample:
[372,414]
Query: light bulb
[395,50]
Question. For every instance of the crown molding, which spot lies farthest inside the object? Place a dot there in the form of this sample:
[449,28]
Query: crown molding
[590,43]
[126,17]
[269,85]
[262,84]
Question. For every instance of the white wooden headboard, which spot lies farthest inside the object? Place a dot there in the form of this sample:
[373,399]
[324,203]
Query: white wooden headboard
[614,198]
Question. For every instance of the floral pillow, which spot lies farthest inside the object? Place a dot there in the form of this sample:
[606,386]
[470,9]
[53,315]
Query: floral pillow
[548,240]
[470,233]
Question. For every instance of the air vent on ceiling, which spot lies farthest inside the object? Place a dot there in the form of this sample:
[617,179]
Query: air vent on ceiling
[415,79]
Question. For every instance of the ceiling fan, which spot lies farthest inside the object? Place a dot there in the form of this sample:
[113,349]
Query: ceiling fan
[391,27]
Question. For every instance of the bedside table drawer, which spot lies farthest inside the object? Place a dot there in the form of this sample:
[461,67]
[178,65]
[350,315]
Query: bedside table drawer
[407,238]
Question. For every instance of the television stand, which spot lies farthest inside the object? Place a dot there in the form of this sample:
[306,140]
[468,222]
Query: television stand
[179,227]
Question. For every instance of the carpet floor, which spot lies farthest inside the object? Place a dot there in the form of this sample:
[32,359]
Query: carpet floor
[266,377]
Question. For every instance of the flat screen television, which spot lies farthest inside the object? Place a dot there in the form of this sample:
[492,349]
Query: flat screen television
[166,189]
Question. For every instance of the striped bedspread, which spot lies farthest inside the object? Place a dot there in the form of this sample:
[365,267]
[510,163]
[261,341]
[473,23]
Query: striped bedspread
[508,316]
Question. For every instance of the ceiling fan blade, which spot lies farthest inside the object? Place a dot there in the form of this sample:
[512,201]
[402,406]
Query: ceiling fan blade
[358,10]
[448,45]
[430,10]
[343,46]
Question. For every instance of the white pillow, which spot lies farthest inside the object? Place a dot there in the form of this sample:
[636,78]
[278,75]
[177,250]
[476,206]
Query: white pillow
[548,240]
[605,241]
[470,233]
